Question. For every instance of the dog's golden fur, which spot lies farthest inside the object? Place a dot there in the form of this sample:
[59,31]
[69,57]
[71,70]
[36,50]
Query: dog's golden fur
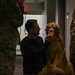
[56,56]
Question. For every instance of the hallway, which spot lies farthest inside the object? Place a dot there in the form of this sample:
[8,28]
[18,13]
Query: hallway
[18,67]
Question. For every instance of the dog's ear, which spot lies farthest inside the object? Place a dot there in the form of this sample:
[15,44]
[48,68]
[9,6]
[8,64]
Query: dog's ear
[57,30]
[46,29]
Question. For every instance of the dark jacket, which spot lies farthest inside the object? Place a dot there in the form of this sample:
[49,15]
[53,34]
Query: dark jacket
[33,51]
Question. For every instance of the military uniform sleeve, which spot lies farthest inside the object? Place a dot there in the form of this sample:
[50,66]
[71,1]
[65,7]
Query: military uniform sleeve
[72,41]
[14,14]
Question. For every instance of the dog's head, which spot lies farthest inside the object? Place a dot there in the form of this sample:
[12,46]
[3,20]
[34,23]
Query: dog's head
[53,28]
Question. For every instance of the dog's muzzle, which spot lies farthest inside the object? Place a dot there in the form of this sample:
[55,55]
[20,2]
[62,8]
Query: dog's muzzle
[51,31]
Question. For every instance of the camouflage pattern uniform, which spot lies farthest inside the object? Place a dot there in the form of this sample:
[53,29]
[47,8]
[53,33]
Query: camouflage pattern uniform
[11,17]
[72,41]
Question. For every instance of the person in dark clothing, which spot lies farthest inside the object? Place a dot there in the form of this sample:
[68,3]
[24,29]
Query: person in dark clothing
[33,49]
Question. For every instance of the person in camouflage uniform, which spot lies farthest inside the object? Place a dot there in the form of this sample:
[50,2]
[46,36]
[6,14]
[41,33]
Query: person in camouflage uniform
[11,17]
[72,41]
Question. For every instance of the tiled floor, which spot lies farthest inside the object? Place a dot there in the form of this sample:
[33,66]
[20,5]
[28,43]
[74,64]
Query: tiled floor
[18,68]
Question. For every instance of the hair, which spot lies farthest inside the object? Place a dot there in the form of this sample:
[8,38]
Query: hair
[30,24]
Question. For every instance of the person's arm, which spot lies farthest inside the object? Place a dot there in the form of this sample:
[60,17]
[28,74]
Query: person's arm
[31,50]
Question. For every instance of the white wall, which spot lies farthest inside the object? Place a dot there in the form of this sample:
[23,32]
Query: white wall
[56,19]
[44,19]
[22,30]
[70,5]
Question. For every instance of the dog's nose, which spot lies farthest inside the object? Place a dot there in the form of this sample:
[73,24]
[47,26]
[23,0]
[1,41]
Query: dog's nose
[51,31]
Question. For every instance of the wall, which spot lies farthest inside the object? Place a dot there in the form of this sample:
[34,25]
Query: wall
[51,11]
[44,19]
[70,5]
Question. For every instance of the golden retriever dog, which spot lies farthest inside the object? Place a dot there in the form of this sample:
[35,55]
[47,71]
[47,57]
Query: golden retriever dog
[56,54]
